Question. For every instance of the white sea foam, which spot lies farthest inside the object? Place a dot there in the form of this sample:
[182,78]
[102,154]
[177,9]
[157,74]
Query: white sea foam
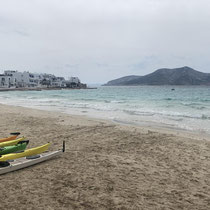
[185,108]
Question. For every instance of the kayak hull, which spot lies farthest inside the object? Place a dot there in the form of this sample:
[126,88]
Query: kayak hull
[13,148]
[28,152]
[9,138]
[24,162]
[11,142]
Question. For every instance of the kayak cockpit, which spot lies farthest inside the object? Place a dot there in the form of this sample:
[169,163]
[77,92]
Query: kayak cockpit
[4,164]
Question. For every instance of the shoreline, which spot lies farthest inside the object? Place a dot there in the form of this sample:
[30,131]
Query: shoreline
[170,112]
[149,126]
[43,88]
[106,165]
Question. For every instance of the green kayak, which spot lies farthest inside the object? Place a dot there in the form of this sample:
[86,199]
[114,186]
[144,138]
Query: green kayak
[21,146]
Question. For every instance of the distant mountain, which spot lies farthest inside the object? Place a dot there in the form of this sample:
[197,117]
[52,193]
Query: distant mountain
[177,76]
[122,80]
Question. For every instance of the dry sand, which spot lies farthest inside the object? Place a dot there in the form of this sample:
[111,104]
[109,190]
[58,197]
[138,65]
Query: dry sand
[105,166]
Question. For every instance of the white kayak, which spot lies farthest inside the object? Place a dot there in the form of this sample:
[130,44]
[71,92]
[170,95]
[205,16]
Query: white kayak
[6,167]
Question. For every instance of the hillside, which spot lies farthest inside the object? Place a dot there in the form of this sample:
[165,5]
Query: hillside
[177,76]
[122,80]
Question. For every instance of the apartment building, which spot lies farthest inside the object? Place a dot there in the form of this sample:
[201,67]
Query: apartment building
[16,79]
[5,81]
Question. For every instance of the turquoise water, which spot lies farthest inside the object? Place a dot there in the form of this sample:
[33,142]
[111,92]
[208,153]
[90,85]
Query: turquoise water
[186,108]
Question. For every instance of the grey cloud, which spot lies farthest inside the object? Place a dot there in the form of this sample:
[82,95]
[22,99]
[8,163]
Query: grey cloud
[99,40]
[21,33]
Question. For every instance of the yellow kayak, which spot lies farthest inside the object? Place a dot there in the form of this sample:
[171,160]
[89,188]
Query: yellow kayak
[28,152]
[12,142]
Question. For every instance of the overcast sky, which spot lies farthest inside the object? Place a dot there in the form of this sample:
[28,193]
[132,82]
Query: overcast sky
[100,40]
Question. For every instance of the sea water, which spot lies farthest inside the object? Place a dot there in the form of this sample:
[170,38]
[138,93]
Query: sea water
[186,108]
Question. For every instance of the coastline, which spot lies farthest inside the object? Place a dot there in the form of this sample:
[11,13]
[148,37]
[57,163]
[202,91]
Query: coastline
[42,88]
[125,125]
[163,109]
[106,165]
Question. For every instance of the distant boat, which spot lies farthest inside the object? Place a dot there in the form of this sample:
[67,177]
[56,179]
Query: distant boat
[172,89]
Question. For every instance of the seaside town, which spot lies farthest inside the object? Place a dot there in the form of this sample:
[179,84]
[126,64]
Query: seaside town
[25,80]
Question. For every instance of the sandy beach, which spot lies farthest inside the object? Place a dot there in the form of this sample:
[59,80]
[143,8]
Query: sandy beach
[106,165]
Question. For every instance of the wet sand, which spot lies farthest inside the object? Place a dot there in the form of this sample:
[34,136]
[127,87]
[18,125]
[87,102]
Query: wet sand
[105,166]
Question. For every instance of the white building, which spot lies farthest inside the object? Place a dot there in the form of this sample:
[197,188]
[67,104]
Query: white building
[74,80]
[5,81]
[51,80]
[17,79]
[21,79]
[58,82]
